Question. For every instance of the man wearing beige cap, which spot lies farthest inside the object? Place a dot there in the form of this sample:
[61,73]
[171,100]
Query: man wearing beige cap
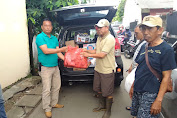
[105,67]
[147,91]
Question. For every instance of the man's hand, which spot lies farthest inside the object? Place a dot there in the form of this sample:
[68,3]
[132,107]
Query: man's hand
[130,69]
[85,54]
[64,49]
[89,63]
[84,50]
[131,91]
[156,107]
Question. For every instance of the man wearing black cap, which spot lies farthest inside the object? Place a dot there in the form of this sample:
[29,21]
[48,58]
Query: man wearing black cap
[148,91]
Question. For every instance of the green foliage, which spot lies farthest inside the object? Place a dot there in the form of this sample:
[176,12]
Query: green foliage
[37,10]
[120,11]
[84,1]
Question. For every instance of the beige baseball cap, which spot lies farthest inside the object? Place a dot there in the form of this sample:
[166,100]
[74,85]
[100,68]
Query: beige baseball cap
[152,21]
[102,23]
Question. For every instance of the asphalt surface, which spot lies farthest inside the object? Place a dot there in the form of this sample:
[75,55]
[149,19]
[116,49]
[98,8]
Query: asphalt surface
[79,101]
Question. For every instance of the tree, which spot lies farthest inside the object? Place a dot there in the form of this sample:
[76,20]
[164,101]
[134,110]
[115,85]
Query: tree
[120,11]
[37,10]
[85,1]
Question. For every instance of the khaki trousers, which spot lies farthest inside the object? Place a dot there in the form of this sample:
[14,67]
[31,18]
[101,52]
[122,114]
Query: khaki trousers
[51,82]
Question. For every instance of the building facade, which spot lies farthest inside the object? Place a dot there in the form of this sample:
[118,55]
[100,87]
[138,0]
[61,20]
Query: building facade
[14,46]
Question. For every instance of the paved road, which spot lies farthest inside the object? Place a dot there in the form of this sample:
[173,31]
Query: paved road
[79,101]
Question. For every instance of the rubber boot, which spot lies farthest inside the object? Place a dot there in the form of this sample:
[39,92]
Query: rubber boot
[102,104]
[107,113]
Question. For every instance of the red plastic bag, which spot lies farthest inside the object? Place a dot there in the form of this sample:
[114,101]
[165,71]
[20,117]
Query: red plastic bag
[74,59]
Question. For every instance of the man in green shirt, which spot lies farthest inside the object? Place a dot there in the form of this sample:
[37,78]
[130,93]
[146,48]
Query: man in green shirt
[105,66]
[48,53]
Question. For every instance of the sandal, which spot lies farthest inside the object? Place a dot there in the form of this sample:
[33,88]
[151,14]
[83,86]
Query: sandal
[128,108]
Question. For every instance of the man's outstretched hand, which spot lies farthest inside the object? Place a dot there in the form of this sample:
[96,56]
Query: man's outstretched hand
[64,49]
[84,50]
[85,54]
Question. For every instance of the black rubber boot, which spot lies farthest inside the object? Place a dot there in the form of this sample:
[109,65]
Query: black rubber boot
[107,113]
[102,104]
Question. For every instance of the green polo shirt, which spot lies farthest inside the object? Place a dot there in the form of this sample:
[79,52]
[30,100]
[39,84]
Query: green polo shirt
[48,60]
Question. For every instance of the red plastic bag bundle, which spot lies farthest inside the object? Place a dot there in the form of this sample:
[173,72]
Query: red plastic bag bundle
[74,59]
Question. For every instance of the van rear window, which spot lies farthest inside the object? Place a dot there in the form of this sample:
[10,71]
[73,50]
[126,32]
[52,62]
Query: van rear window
[72,16]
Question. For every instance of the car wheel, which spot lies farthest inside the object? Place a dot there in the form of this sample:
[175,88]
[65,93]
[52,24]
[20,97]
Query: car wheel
[118,79]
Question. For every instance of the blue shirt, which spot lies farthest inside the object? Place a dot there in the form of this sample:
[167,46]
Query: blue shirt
[161,58]
[48,60]
[128,34]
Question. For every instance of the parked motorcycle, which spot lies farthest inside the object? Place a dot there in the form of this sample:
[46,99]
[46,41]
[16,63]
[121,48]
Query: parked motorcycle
[129,49]
[121,41]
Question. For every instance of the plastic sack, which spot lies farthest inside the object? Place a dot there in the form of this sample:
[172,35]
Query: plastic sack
[74,59]
[129,80]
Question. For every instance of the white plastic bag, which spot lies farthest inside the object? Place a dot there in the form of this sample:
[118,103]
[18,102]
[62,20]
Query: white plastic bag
[129,80]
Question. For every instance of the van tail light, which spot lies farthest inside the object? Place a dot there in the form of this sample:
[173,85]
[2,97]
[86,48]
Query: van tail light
[117,48]
[119,70]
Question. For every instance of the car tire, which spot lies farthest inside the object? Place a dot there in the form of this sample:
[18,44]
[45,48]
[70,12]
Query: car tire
[118,79]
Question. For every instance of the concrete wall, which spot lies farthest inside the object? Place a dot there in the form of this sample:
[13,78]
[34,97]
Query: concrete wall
[14,46]
[132,12]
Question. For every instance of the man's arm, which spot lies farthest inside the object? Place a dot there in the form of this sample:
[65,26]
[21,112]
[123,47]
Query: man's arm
[156,106]
[131,91]
[90,51]
[130,68]
[47,50]
[129,34]
[97,55]
[106,48]
[60,55]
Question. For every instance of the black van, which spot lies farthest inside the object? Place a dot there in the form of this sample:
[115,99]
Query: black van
[80,19]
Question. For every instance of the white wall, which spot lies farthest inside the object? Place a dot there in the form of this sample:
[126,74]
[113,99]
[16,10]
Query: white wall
[14,46]
[175,5]
[132,12]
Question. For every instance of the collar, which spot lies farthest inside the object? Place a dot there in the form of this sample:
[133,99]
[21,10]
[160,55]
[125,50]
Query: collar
[46,35]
